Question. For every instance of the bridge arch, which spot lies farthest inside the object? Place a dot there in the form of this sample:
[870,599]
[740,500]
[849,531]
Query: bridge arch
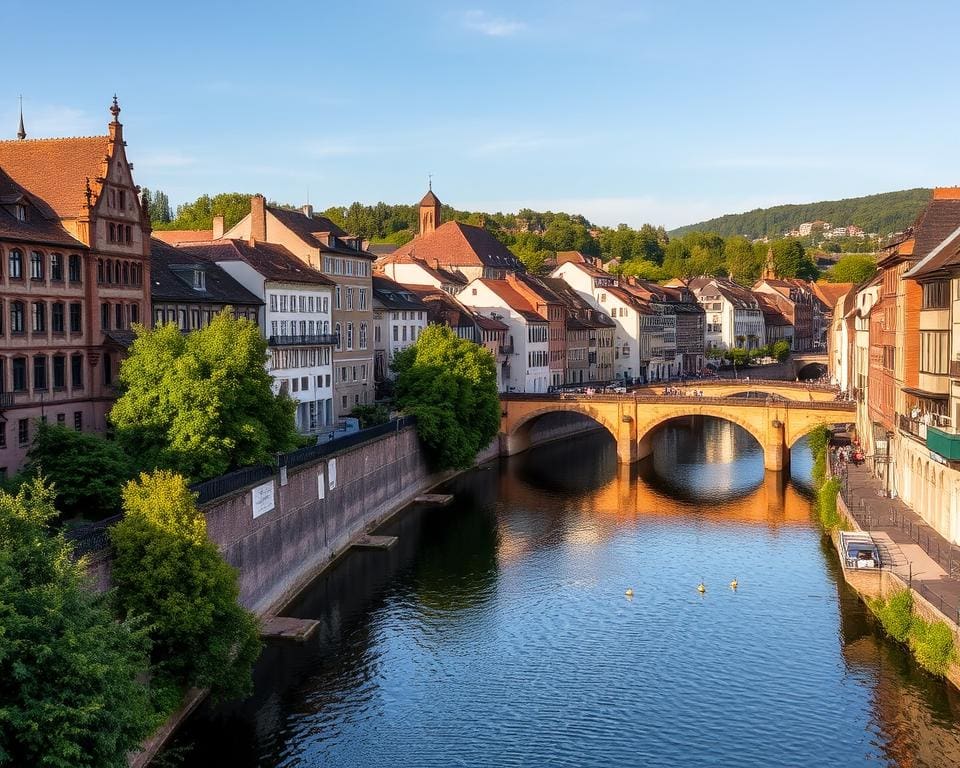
[518,438]
[811,371]
[646,429]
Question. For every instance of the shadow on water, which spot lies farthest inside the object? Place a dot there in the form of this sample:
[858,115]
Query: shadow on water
[494,632]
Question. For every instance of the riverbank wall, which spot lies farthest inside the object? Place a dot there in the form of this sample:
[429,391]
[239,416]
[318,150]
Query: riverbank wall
[885,582]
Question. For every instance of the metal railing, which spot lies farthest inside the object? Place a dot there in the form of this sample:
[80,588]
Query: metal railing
[913,427]
[6,400]
[303,341]
[91,537]
[314,452]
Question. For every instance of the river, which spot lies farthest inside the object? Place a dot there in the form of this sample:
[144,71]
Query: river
[497,631]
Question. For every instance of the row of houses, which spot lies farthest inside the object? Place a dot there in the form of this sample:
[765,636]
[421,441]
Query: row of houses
[895,349]
[80,266]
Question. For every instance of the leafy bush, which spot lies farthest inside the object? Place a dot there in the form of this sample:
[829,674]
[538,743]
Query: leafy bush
[895,614]
[827,504]
[932,644]
[167,570]
[450,385]
[87,471]
[780,349]
[70,694]
[371,415]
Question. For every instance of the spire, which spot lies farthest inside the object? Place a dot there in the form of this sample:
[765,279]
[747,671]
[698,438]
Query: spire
[115,109]
[429,210]
[770,268]
[21,132]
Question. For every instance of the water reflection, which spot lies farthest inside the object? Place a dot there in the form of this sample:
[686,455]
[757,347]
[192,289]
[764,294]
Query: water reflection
[496,631]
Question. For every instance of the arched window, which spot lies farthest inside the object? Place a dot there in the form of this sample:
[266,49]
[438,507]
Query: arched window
[36,265]
[16,264]
[56,266]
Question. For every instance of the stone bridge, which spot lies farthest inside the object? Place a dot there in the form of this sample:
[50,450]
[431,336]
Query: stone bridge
[776,423]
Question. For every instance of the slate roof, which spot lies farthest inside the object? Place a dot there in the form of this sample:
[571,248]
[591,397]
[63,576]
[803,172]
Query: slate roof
[54,171]
[167,285]
[934,224]
[489,323]
[736,294]
[393,295]
[309,229]
[454,244]
[272,261]
[946,255]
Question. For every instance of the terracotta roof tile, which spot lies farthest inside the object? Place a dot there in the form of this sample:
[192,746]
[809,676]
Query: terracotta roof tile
[55,170]
[177,236]
[272,261]
[35,229]
[454,244]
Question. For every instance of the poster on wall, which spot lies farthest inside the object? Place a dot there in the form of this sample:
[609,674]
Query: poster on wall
[321,489]
[263,499]
[332,473]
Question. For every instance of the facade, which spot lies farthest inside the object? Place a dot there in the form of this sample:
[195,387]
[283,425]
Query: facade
[399,317]
[189,291]
[74,271]
[797,303]
[550,306]
[414,271]
[733,318]
[493,338]
[527,368]
[296,317]
[599,333]
[322,245]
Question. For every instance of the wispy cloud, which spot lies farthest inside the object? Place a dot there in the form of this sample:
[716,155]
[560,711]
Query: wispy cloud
[491,26]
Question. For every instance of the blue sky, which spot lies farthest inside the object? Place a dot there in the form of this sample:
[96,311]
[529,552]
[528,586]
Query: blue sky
[668,112]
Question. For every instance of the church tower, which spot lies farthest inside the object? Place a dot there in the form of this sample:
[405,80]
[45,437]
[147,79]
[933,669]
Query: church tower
[429,212]
[770,268]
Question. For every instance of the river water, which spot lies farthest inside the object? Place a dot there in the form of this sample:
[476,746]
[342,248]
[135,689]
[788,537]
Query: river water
[497,631]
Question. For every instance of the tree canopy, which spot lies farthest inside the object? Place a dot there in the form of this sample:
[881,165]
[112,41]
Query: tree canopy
[852,268]
[202,403]
[70,694]
[167,570]
[86,470]
[450,385]
[199,214]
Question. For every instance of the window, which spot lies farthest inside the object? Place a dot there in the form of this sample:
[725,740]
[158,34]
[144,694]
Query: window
[396,333]
[134,313]
[59,372]
[295,385]
[376,334]
[39,317]
[302,303]
[349,335]
[128,233]
[16,317]
[40,372]
[273,302]
[19,374]
[349,298]
[363,372]
[78,420]
[3,442]
[362,298]
[73,268]
[107,369]
[283,302]
[21,212]
[118,315]
[16,265]
[934,351]
[105,316]
[326,304]
[100,276]
[354,369]
[336,330]
[338,297]
[23,432]
[56,266]
[304,383]
[36,265]
[404,333]
[76,317]
[936,295]
[363,335]
[61,419]
[76,371]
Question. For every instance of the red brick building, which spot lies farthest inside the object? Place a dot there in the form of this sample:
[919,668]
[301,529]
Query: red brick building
[74,276]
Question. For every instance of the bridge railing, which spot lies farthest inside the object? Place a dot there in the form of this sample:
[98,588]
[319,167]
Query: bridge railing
[818,405]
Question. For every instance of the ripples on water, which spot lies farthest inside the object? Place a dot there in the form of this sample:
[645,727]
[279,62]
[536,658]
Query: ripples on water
[497,632]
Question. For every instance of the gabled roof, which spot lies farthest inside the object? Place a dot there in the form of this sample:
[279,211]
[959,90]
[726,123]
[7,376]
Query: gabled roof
[772,312]
[736,294]
[443,308]
[634,300]
[435,271]
[513,299]
[489,323]
[273,262]
[831,293]
[934,223]
[54,171]
[168,268]
[393,295]
[177,236]
[454,244]
[945,255]
[36,228]
[313,230]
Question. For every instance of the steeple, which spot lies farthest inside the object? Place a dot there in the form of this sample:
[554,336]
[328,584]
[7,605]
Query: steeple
[770,268]
[115,127]
[429,211]
[21,132]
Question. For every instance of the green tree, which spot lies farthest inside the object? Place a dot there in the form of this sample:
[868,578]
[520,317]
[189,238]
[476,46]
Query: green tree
[450,385]
[70,694]
[791,259]
[87,471]
[852,268]
[780,349]
[199,214]
[645,270]
[201,404]
[741,260]
[166,570]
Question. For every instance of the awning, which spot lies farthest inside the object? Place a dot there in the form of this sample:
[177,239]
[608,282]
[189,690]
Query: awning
[922,393]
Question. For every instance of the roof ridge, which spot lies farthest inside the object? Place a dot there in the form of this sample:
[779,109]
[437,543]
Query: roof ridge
[105,137]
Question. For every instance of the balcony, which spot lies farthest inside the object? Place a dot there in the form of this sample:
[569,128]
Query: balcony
[6,400]
[506,349]
[320,339]
[913,427]
[944,441]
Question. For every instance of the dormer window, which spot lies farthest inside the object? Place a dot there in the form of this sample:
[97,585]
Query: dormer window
[199,280]
[20,211]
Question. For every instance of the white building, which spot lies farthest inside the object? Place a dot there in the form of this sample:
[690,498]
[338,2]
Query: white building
[528,332]
[296,319]
[399,317]
[734,315]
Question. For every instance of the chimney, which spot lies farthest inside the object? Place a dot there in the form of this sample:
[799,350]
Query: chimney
[258,218]
[217,227]
[307,211]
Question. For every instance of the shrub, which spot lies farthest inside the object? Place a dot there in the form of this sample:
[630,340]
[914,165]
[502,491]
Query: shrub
[780,349]
[895,614]
[70,694]
[932,644]
[827,504]
[167,570]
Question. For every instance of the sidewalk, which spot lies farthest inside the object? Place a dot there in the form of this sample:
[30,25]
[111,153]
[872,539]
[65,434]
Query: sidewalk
[916,552]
